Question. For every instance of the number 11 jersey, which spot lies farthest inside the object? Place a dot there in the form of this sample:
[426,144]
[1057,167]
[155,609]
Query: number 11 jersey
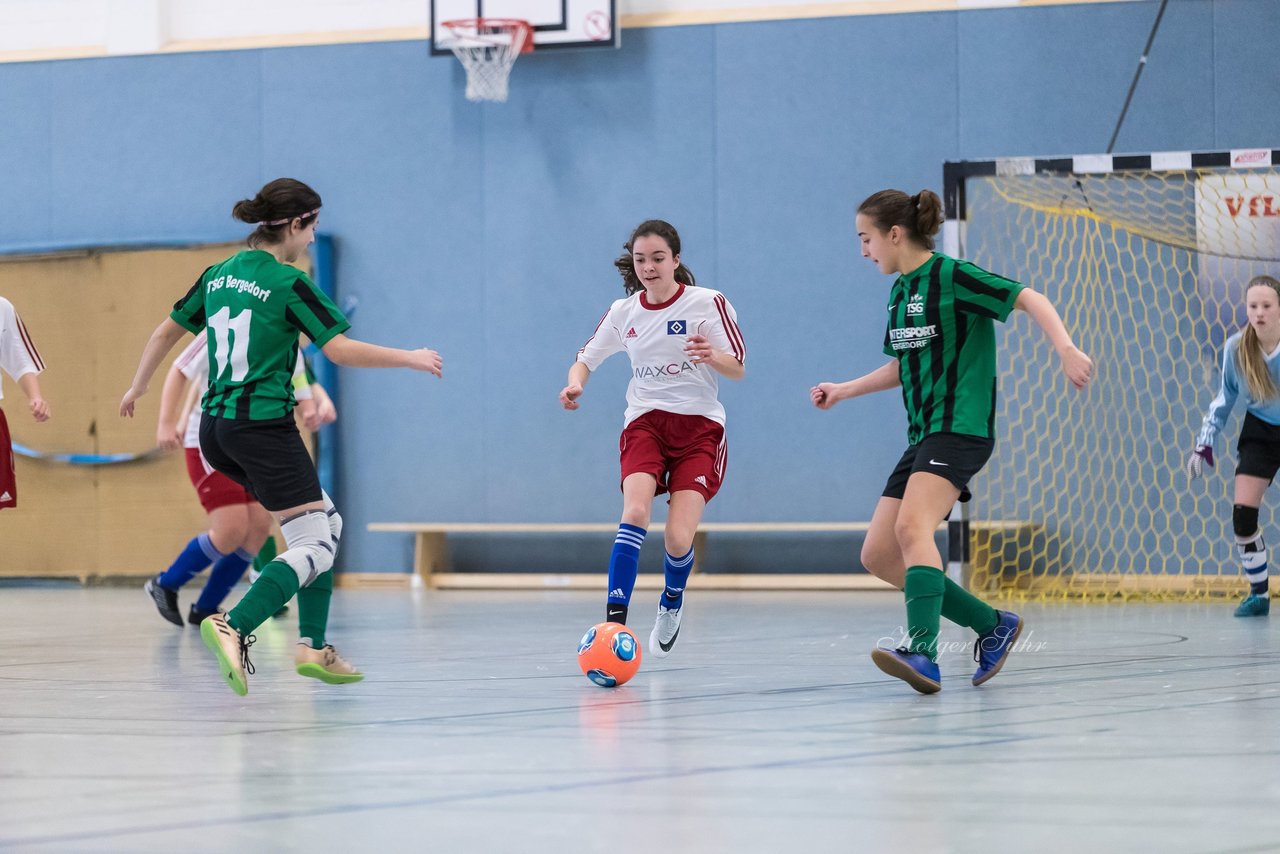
[254,308]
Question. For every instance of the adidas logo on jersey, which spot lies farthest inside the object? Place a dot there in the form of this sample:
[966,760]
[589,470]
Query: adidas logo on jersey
[6,496]
[700,479]
[631,333]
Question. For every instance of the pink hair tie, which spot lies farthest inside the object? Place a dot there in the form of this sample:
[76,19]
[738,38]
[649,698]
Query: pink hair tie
[306,215]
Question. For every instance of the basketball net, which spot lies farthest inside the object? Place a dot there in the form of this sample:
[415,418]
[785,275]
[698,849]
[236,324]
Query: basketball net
[487,48]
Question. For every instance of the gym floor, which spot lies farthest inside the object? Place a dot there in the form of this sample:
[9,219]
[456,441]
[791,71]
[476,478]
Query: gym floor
[1113,728]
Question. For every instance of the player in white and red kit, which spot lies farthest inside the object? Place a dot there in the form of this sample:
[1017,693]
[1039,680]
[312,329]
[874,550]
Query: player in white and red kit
[21,361]
[238,524]
[680,339]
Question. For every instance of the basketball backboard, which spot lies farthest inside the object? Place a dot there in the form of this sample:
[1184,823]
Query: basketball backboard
[556,23]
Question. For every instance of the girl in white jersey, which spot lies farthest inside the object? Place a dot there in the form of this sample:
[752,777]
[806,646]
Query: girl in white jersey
[21,361]
[680,339]
[1250,364]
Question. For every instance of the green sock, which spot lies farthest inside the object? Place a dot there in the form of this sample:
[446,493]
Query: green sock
[266,554]
[964,609]
[274,587]
[313,609]
[924,588]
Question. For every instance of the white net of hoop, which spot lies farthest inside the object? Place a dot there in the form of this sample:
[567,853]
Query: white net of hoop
[487,48]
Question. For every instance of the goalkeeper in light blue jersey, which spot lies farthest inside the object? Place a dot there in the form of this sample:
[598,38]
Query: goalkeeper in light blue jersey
[1250,364]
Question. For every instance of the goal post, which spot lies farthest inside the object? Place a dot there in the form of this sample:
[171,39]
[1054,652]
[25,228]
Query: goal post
[1146,257]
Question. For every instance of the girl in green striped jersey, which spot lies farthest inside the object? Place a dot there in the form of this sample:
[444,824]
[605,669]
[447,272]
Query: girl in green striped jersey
[941,336]
[255,304]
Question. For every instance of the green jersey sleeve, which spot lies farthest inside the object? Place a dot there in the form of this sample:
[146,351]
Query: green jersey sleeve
[980,292]
[314,314]
[188,312]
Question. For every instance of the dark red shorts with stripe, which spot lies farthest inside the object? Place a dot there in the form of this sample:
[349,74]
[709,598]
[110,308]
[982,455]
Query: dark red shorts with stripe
[213,487]
[680,451]
[8,483]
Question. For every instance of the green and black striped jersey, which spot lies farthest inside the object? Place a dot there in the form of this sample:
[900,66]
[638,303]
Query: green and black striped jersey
[255,307]
[941,332]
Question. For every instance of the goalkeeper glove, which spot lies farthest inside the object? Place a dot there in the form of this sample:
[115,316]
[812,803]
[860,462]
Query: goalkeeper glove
[1203,454]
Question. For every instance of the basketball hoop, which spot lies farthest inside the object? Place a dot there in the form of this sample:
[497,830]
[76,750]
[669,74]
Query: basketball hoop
[487,48]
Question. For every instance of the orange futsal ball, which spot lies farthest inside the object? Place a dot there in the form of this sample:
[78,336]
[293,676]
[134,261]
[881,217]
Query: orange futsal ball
[609,654]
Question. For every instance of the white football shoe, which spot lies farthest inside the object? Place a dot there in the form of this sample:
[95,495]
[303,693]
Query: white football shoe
[665,631]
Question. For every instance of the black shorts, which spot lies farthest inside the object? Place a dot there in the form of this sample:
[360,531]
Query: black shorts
[267,457]
[1258,451]
[955,456]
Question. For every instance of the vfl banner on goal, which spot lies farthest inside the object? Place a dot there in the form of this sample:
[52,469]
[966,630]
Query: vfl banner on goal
[1237,226]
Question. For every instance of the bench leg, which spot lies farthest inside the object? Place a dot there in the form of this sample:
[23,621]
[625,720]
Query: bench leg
[699,547]
[430,555]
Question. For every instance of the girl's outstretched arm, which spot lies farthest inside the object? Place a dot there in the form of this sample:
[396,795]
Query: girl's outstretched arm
[158,346]
[1075,364]
[883,378]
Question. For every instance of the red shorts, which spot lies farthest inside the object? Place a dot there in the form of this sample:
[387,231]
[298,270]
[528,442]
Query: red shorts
[214,488]
[681,451]
[8,484]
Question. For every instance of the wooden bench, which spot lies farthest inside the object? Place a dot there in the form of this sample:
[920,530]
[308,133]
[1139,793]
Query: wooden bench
[433,568]
[432,565]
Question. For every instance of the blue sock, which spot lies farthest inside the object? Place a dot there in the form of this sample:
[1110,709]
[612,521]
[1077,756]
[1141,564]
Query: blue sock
[624,564]
[198,554]
[224,575]
[677,570]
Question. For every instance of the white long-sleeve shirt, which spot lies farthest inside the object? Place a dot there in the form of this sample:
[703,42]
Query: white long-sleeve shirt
[18,354]
[654,337]
[1231,388]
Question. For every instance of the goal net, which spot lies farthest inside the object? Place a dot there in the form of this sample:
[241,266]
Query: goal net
[1146,258]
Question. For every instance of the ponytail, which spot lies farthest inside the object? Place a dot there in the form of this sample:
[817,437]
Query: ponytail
[920,216]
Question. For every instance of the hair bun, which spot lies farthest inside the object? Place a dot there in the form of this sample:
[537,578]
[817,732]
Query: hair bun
[250,210]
